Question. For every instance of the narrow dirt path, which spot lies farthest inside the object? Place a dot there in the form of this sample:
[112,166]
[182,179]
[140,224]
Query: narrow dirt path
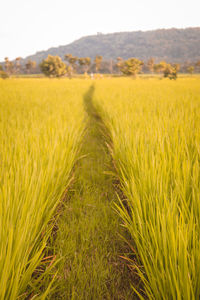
[88,236]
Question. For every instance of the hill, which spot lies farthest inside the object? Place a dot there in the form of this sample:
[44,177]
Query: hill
[173,45]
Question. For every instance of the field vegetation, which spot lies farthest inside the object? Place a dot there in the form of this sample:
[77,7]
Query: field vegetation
[155,133]
[41,127]
[81,157]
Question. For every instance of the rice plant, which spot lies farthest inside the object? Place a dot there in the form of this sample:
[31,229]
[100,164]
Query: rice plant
[154,127]
[41,126]
[155,131]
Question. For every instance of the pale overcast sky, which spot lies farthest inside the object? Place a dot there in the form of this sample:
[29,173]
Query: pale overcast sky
[27,26]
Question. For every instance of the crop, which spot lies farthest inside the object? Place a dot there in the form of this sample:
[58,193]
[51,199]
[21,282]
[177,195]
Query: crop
[50,247]
[41,126]
[155,131]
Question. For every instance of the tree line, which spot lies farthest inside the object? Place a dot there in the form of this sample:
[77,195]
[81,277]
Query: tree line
[53,66]
[15,67]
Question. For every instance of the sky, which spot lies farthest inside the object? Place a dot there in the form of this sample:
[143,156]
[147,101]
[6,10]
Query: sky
[28,26]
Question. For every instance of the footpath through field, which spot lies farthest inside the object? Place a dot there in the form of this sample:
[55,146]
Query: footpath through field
[88,236]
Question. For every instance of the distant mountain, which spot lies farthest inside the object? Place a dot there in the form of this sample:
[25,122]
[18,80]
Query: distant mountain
[172,45]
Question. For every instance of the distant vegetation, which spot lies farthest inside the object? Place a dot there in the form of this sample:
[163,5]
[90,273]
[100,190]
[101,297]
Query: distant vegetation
[104,53]
[15,67]
[172,45]
[53,66]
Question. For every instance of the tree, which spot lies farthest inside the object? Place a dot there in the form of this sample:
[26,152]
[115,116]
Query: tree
[9,66]
[131,66]
[168,70]
[85,63]
[30,66]
[3,74]
[72,61]
[69,71]
[160,67]
[119,64]
[171,71]
[7,62]
[97,61]
[53,66]
[190,69]
[150,64]
[17,64]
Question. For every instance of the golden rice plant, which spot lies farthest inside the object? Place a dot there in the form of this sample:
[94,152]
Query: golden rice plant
[155,130]
[41,125]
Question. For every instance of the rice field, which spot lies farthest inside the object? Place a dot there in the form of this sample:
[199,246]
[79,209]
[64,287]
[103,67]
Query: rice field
[155,133]
[63,145]
[41,126]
